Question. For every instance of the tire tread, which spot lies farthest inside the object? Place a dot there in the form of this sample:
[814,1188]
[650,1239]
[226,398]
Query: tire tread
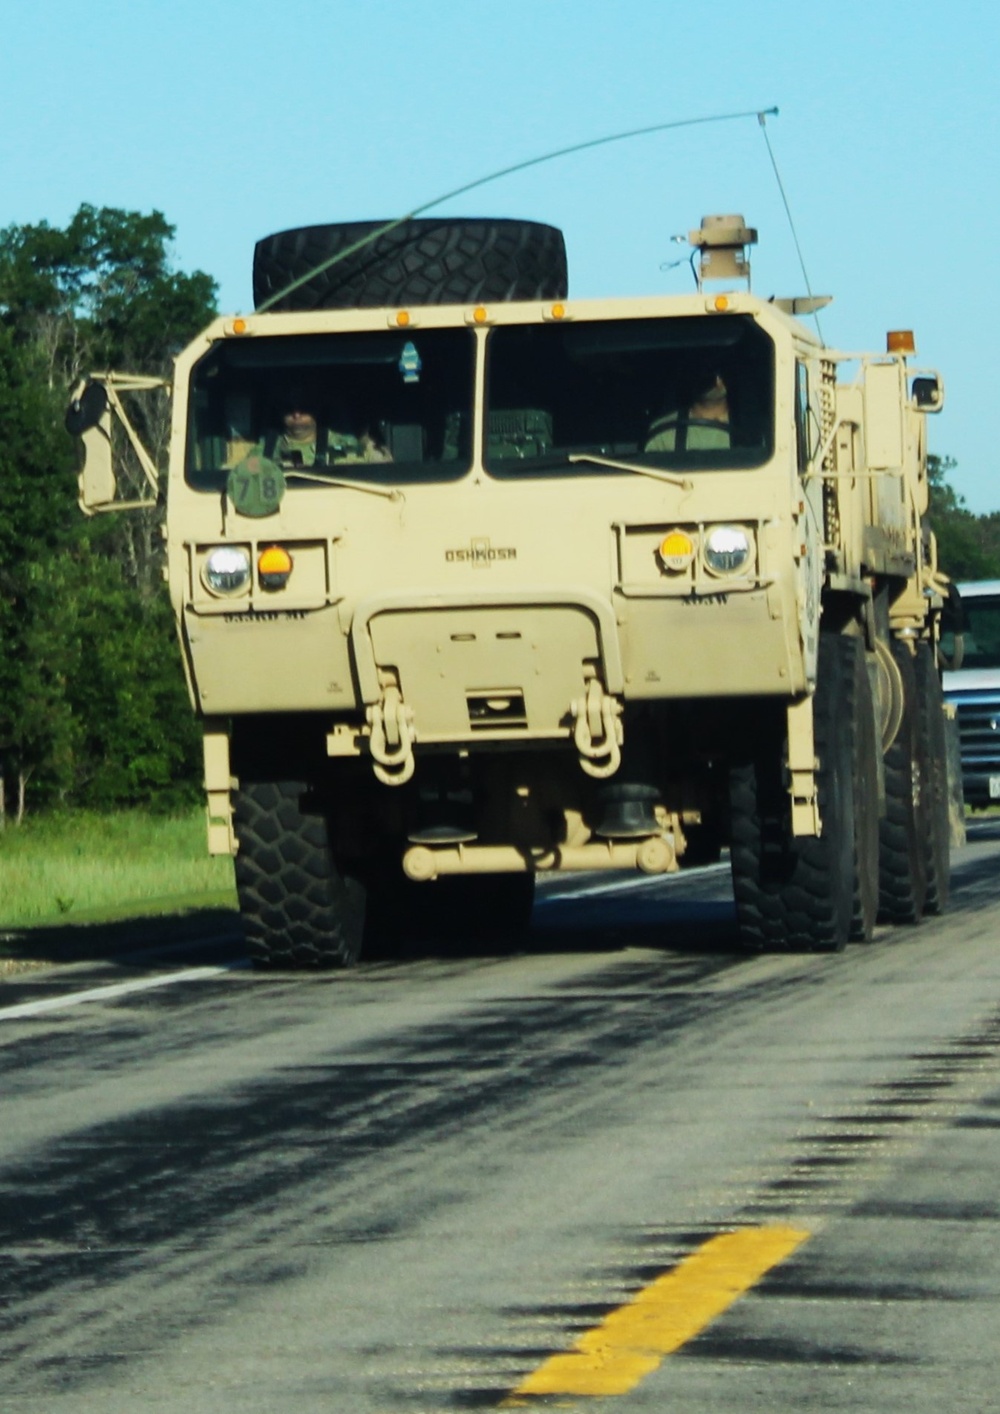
[424,261]
[298,909]
[800,893]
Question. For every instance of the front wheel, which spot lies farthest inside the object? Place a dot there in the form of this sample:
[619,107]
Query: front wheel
[812,892]
[904,828]
[299,908]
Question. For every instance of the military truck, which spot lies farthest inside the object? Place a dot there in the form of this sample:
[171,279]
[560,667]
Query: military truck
[538,584]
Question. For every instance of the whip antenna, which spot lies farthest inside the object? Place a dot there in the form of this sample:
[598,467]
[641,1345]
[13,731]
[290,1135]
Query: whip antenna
[759,114]
[788,210]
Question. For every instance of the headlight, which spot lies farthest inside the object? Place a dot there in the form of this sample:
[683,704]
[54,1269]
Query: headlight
[227,570]
[727,549]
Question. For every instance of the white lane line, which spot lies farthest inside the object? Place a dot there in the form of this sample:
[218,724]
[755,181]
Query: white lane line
[114,989]
[630,885]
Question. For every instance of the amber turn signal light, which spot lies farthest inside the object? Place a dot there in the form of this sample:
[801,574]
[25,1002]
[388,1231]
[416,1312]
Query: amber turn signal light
[274,565]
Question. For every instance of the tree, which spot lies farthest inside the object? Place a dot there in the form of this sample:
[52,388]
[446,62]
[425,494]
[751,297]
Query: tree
[100,293]
[37,524]
[135,740]
[968,545]
[92,703]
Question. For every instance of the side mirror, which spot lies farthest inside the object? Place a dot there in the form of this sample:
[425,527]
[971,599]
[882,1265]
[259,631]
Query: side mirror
[95,406]
[89,418]
[928,394]
[87,406]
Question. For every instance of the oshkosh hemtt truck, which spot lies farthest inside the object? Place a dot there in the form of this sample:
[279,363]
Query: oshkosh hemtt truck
[475,581]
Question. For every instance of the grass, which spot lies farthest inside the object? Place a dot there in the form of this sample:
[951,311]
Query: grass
[86,868]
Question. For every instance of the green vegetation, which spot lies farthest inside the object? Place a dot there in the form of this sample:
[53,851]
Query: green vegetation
[76,867]
[968,545]
[93,708]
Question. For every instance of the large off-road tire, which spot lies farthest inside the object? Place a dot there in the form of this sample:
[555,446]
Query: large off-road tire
[903,830]
[299,909]
[426,261]
[930,700]
[805,892]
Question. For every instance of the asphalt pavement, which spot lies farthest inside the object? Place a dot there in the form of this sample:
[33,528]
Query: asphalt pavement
[416,1187]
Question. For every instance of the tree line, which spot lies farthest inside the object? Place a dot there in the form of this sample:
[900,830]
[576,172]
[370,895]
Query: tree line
[93,708]
[968,545]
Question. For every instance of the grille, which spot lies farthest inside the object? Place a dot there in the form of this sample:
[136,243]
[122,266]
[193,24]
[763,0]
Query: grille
[979,731]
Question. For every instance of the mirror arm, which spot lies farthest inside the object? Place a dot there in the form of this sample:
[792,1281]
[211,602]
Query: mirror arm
[149,469]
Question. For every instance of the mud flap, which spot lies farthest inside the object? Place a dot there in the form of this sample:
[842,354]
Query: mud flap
[802,769]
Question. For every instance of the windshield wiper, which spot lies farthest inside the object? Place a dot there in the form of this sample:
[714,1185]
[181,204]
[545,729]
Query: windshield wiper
[589,459]
[391,493]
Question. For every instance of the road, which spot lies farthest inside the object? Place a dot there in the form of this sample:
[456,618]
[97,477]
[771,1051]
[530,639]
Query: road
[410,1188]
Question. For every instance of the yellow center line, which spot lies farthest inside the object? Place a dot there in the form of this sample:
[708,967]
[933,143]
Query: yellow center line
[633,1340]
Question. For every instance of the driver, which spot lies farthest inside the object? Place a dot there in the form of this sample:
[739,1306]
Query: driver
[303,442]
[256,483]
[703,428]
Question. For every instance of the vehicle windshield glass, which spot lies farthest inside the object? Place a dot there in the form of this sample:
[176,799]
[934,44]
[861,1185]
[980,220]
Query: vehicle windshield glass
[391,407]
[982,633]
[692,394]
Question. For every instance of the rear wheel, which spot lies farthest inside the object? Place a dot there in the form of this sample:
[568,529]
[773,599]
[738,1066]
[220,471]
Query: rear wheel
[904,828]
[938,837]
[804,891]
[299,909]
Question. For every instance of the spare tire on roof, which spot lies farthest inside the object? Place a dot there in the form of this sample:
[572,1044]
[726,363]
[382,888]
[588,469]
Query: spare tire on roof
[428,261]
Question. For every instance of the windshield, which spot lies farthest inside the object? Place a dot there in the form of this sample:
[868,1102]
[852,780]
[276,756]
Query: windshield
[381,407]
[692,394]
[982,633]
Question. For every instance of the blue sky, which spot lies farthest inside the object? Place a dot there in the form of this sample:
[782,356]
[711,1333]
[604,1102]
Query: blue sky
[238,119]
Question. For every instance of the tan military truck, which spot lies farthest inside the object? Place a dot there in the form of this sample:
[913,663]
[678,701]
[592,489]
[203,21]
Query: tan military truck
[475,581]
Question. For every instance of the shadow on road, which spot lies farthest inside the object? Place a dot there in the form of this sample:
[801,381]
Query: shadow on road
[700,926]
[204,934]
[608,924]
[692,914]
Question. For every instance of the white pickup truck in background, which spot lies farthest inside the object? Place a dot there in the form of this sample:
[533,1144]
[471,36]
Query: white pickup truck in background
[973,686]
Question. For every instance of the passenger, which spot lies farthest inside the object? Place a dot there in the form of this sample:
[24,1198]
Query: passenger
[703,428]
